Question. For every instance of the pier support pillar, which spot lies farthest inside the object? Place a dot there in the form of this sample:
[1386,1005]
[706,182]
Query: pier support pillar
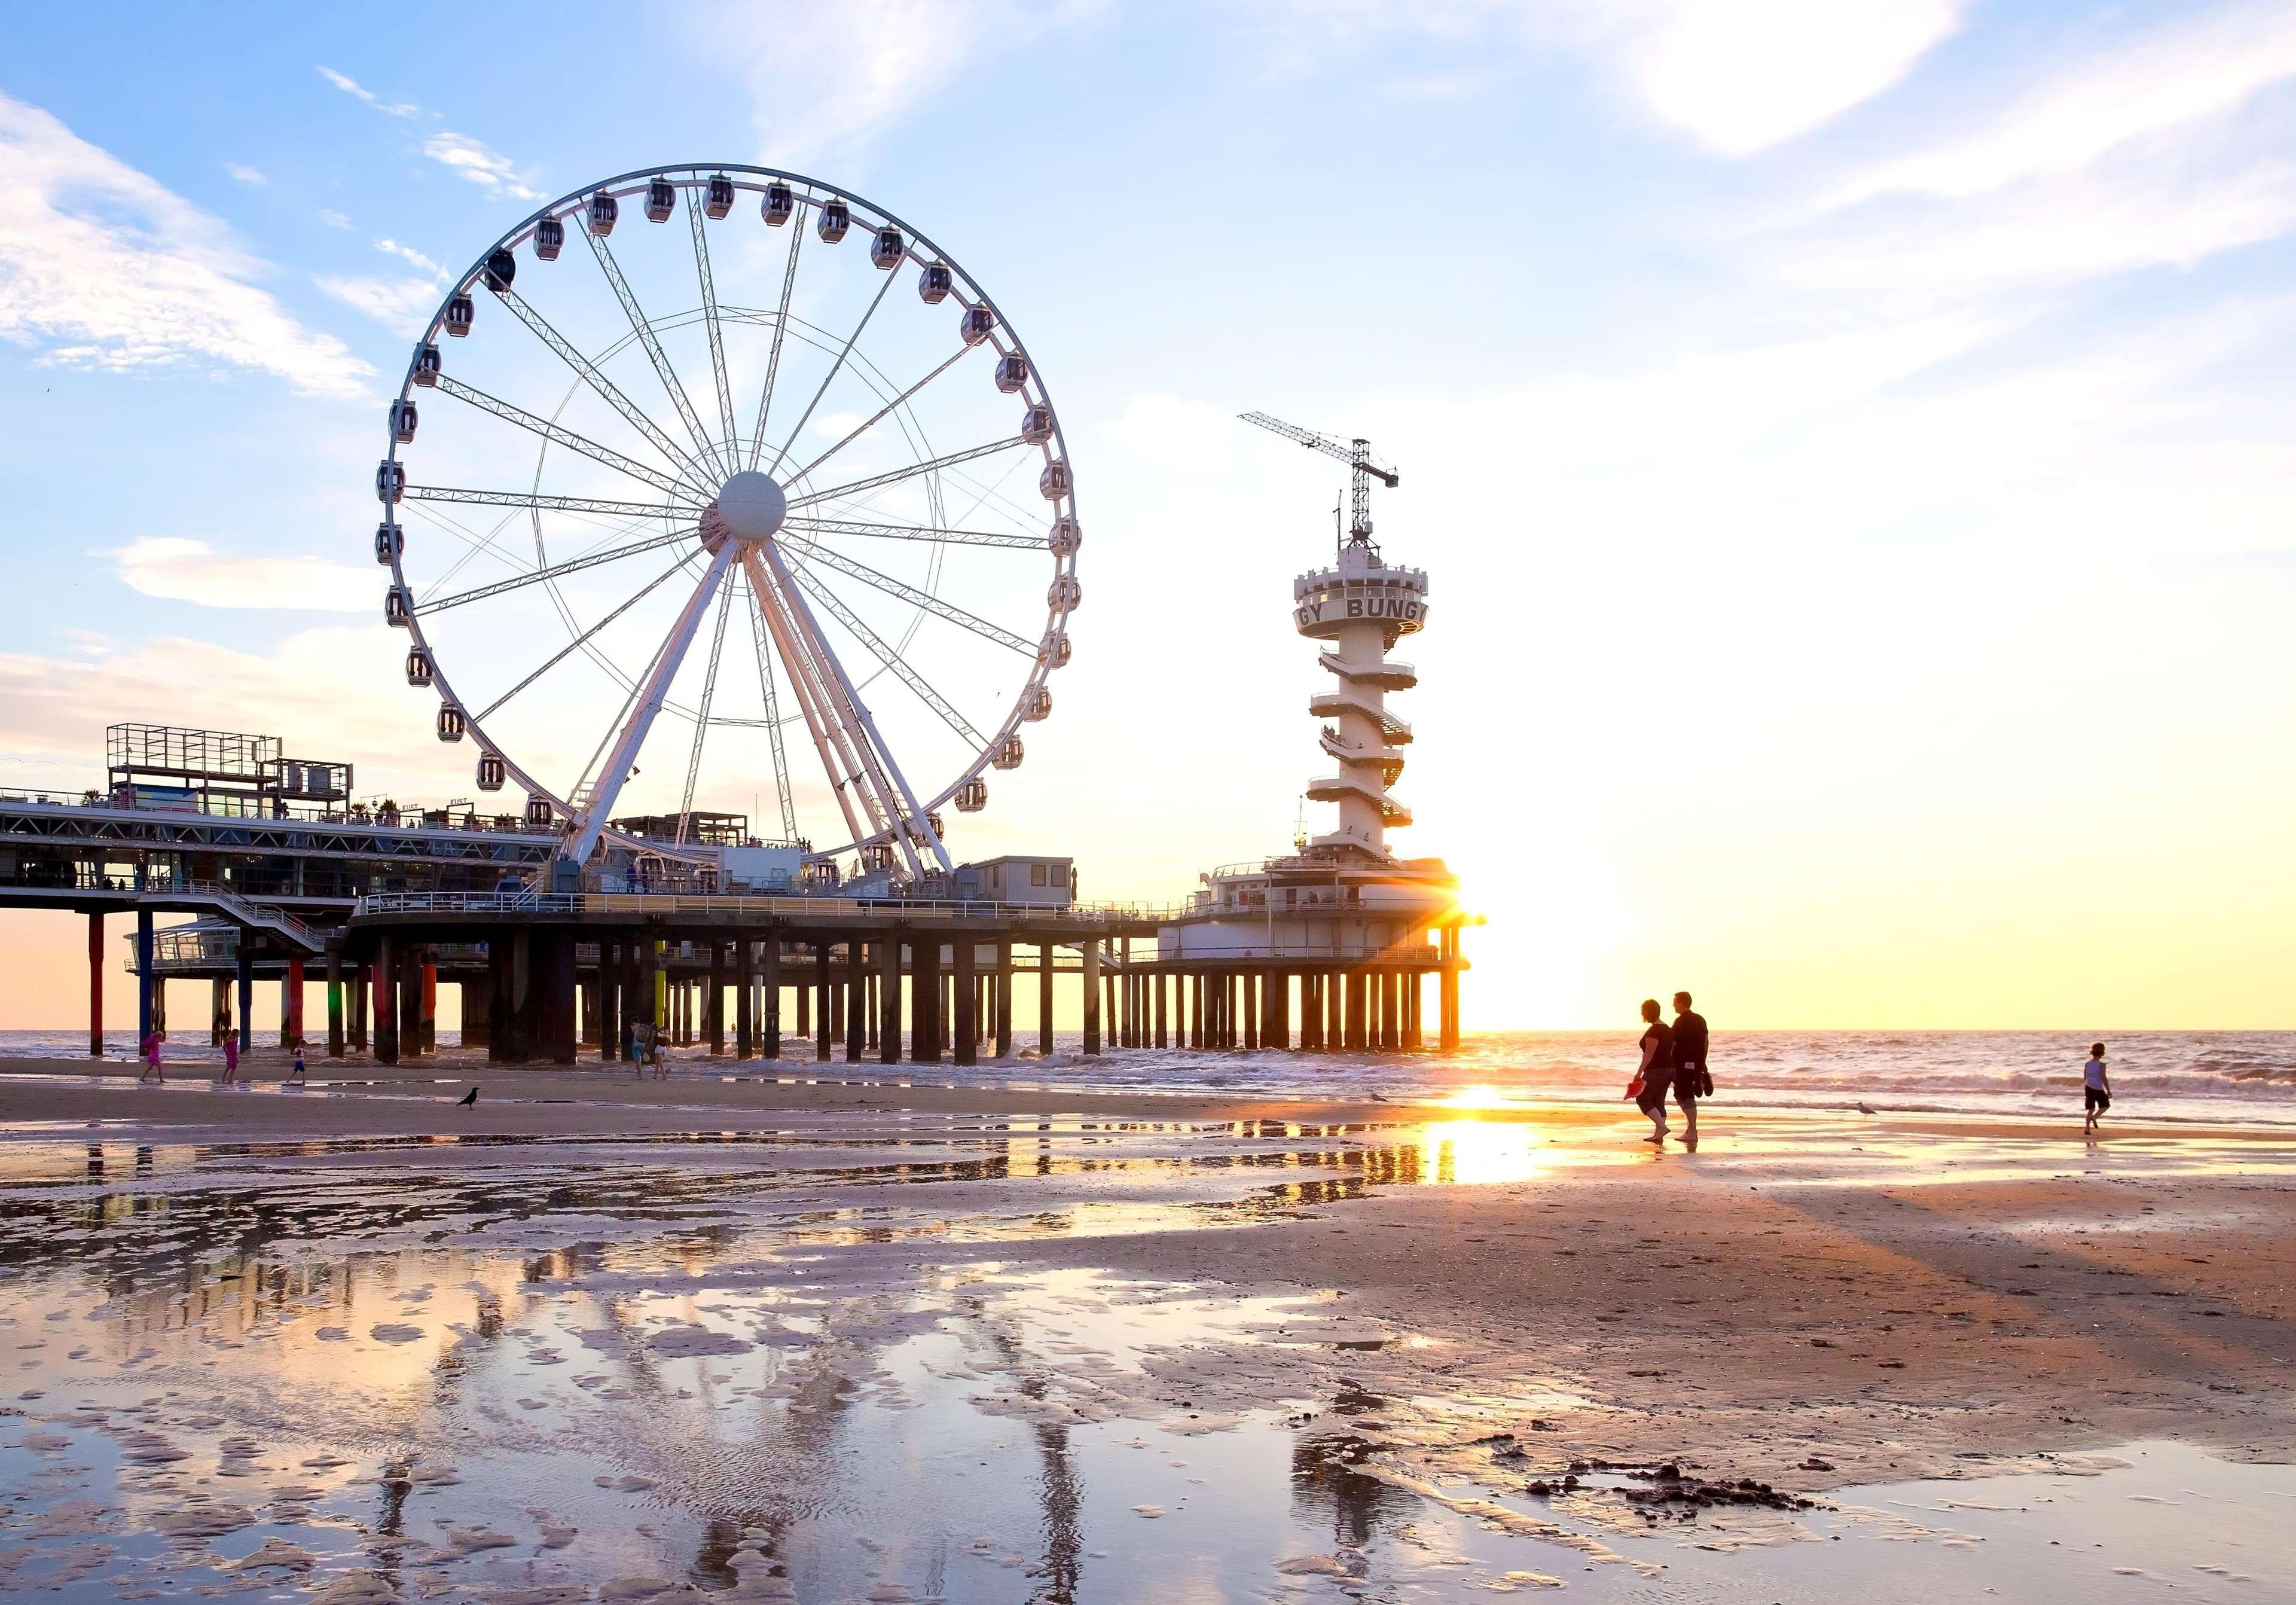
[925,1000]
[246,990]
[889,996]
[964,1030]
[1002,998]
[713,1007]
[218,1011]
[410,1001]
[334,1003]
[291,1012]
[745,999]
[1411,999]
[385,967]
[1045,971]
[1091,997]
[429,1003]
[144,974]
[770,986]
[856,1000]
[96,987]
[561,1038]
[356,1032]
[1161,982]
[1448,1018]
[804,1026]
[821,1001]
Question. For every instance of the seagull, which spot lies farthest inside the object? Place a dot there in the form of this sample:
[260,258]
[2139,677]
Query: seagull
[1868,1109]
[470,1098]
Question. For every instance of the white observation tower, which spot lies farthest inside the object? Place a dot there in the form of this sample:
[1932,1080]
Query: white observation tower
[1344,920]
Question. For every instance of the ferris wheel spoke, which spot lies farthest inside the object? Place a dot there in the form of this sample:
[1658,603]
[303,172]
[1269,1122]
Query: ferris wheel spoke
[879,416]
[835,368]
[716,330]
[608,391]
[644,330]
[645,705]
[909,593]
[559,435]
[932,465]
[771,693]
[887,656]
[702,720]
[774,361]
[917,532]
[572,565]
[580,641]
[520,498]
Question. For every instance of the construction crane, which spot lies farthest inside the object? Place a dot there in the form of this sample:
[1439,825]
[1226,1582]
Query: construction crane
[1355,455]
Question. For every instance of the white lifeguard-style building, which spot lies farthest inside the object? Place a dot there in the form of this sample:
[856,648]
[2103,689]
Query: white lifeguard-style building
[1356,926]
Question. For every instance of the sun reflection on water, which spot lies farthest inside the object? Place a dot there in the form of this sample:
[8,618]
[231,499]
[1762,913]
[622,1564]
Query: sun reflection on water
[1481,1152]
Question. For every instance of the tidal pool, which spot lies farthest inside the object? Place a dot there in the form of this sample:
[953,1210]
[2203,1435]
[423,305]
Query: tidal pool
[813,1369]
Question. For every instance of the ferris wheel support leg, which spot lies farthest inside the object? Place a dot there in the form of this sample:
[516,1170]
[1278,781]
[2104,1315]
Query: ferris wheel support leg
[911,826]
[616,769]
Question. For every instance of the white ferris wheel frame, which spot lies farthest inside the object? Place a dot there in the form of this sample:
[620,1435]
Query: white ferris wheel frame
[917,822]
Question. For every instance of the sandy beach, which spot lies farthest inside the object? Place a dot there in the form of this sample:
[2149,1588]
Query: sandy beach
[1457,1307]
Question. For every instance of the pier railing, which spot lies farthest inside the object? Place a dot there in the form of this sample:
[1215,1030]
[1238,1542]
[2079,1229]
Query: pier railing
[807,910]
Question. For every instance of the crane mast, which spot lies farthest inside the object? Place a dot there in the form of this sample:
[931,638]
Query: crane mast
[1356,454]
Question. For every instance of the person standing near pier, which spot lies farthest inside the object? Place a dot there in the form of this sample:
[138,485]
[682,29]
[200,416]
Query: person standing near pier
[152,1070]
[230,1077]
[1690,1080]
[1657,1070]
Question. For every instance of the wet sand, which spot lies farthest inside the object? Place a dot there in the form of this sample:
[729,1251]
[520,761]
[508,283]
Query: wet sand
[1457,1305]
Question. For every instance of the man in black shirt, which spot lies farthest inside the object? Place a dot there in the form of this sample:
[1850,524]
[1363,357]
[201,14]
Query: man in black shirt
[1691,1081]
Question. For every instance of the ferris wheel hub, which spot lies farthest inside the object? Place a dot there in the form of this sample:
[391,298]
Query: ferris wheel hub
[749,507]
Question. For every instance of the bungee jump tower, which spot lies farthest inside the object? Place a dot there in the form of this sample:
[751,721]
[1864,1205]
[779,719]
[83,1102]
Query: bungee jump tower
[1343,927]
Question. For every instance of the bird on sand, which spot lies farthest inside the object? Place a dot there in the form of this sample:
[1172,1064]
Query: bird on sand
[470,1098]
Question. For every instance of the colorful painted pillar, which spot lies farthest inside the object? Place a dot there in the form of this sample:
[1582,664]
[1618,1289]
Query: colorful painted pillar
[96,986]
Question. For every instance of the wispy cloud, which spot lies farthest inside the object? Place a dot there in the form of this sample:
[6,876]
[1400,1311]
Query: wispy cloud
[892,57]
[410,256]
[470,159]
[351,87]
[402,306]
[176,569]
[102,265]
[2176,76]
[243,173]
[332,218]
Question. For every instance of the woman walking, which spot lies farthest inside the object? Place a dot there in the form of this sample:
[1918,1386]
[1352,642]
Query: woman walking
[1657,1072]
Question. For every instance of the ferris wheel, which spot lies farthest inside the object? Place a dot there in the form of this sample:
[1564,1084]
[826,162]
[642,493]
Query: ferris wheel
[774,476]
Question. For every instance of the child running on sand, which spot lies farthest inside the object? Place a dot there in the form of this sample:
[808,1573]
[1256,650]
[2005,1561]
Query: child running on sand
[2097,1089]
[152,1070]
[296,1073]
[230,1077]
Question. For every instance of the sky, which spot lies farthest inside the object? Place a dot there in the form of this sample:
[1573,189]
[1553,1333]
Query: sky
[1848,439]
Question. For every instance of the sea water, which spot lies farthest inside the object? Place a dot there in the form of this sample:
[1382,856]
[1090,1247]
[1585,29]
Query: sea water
[2243,1076]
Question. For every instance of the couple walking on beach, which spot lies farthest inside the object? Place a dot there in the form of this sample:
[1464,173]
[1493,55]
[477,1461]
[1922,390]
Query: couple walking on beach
[1674,1060]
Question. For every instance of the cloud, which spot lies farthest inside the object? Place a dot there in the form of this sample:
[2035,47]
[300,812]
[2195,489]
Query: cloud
[175,569]
[490,169]
[2169,78]
[244,173]
[402,306]
[1738,76]
[410,256]
[334,219]
[103,266]
[350,87]
[892,56]
[2047,232]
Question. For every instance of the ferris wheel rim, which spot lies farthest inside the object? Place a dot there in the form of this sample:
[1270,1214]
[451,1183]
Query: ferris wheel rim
[1004,340]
